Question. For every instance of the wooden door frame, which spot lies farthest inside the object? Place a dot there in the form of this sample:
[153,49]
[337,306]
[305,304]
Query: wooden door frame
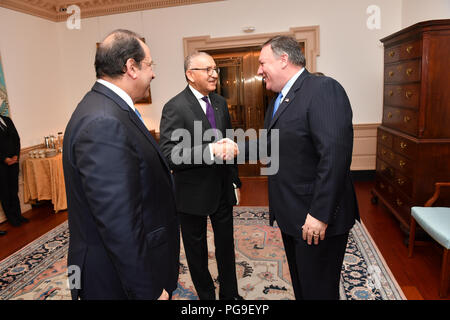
[308,35]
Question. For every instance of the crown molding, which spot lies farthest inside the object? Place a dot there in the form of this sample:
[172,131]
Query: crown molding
[56,10]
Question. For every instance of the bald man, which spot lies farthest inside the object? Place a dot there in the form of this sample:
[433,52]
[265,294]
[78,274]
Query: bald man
[124,233]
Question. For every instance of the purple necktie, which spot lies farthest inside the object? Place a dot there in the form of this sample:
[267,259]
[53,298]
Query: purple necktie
[210,113]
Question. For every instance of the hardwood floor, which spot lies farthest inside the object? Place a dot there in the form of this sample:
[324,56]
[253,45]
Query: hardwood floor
[418,276]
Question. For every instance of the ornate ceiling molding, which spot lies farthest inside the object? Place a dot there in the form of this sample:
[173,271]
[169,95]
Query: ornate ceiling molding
[56,10]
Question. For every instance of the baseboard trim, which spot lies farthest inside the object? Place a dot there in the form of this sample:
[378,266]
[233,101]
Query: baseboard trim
[363,175]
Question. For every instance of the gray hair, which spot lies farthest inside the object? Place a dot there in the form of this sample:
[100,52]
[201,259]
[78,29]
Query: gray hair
[189,58]
[287,45]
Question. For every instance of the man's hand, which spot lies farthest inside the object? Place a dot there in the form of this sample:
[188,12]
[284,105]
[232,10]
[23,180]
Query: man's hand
[11,161]
[164,295]
[313,229]
[225,149]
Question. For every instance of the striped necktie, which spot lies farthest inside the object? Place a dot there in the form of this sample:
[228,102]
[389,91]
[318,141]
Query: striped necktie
[139,114]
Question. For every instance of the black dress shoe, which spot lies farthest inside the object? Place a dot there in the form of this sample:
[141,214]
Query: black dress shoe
[24,220]
[15,223]
[2,233]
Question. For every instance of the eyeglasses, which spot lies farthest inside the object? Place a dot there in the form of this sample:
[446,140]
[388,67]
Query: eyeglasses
[209,70]
[151,64]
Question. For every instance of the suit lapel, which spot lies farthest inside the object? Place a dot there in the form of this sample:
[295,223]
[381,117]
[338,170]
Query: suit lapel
[289,98]
[6,129]
[133,116]
[196,108]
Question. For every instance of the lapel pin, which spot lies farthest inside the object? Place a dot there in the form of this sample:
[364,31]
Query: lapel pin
[286,100]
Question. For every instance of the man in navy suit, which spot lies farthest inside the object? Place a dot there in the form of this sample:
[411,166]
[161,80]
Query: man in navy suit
[124,234]
[311,196]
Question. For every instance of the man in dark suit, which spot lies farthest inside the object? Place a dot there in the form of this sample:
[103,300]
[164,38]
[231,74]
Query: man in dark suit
[204,183]
[124,234]
[9,172]
[311,196]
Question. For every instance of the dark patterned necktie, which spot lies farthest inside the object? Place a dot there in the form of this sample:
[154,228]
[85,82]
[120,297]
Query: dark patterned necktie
[210,113]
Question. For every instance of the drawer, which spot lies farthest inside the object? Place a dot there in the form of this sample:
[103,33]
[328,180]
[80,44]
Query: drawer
[394,177]
[402,206]
[385,188]
[403,183]
[405,147]
[385,138]
[386,154]
[406,95]
[402,72]
[385,169]
[405,51]
[404,165]
[405,120]
[400,203]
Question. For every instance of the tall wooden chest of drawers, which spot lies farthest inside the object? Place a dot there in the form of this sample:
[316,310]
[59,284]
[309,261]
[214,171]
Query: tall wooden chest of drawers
[413,143]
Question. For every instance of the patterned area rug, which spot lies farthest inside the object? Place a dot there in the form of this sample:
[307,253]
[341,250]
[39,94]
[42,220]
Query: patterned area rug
[38,271]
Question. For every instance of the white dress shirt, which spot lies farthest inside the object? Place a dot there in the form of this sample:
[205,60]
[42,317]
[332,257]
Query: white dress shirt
[290,83]
[3,122]
[125,97]
[199,97]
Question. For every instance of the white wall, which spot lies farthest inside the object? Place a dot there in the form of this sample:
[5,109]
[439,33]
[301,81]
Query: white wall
[31,67]
[414,11]
[48,68]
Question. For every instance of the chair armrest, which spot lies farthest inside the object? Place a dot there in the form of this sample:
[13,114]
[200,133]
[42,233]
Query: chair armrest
[437,191]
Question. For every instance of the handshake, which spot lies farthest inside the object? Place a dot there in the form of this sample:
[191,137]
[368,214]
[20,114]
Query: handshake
[225,149]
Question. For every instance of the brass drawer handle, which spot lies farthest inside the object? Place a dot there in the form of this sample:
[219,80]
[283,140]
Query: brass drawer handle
[383,152]
[392,53]
[402,163]
[403,145]
[406,119]
[399,202]
[409,71]
[400,181]
[409,49]
[391,155]
[389,115]
[391,93]
[408,94]
[391,73]
[384,137]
